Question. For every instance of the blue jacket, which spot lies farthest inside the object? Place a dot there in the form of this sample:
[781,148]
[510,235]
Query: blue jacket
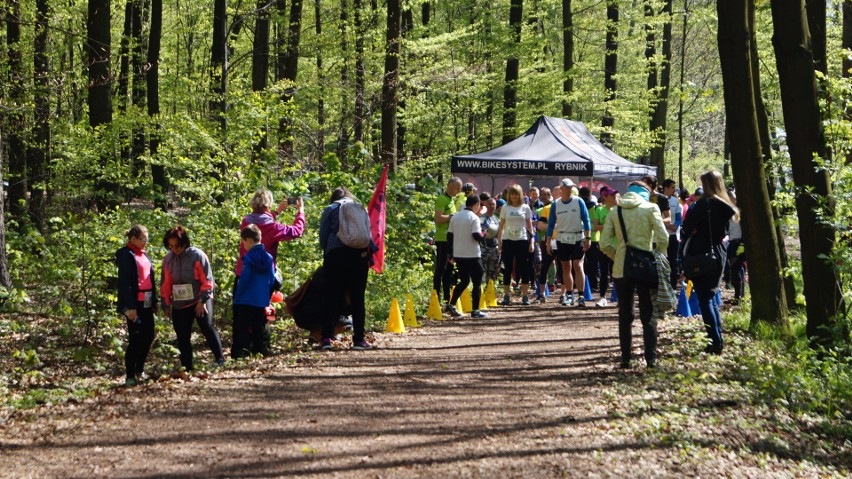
[255,285]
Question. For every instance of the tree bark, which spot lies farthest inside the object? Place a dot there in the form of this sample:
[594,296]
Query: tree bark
[510,85]
[137,95]
[98,52]
[766,151]
[260,47]
[158,172]
[846,44]
[320,80]
[289,66]
[806,139]
[680,97]
[735,54]
[18,177]
[5,280]
[39,152]
[816,27]
[567,59]
[218,64]
[610,70]
[360,73]
[659,117]
[390,83]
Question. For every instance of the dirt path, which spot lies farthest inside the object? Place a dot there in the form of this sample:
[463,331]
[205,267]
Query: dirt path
[516,395]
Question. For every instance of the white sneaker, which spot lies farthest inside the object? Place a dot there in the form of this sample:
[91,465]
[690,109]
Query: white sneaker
[602,303]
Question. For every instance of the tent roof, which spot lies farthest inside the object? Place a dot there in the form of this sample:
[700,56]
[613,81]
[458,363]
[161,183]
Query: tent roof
[551,147]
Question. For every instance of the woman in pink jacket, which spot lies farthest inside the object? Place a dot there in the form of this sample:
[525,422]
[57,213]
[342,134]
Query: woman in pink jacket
[272,232]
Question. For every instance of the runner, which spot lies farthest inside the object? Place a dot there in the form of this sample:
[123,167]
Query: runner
[445,207]
[569,224]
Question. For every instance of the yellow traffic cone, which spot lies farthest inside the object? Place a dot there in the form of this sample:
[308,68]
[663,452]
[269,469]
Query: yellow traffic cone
[409,318]
[688,289]
[491,294]
[483,304]
[394,319]
[434,311]
[466,302]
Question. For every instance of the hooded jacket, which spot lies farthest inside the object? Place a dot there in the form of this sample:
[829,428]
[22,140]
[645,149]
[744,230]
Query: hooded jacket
[271,232]
[644,227]
[255,285]
[128,278]
[190,267]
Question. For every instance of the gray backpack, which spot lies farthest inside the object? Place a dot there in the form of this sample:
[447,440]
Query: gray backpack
[354,229]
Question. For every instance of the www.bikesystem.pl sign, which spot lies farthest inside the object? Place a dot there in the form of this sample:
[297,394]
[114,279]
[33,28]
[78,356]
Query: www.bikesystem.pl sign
[522,167]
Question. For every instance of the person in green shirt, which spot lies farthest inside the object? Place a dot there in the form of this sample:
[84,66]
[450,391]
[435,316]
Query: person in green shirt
[445,207]
[609,198]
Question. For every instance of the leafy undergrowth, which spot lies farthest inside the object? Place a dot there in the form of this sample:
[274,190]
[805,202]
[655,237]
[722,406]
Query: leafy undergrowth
[45,361]
[762,401]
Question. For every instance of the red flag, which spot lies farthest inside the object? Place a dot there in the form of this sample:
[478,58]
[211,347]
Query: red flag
[378,210]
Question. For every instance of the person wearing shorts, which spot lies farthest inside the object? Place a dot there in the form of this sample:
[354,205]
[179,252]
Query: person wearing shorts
[569,224]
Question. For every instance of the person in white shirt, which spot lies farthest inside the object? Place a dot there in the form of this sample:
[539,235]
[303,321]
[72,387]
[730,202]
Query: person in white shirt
[463,238]
[516,242]
[569,224]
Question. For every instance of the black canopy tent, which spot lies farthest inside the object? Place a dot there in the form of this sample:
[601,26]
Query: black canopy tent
[551,148]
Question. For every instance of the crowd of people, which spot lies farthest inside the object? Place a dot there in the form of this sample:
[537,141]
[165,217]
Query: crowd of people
[536,240]
[563,239]
[187,285]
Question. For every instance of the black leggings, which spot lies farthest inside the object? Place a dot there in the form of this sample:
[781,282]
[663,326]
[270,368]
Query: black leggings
[140,334]
[182,320]
[519,249]
[443,271]
[470,269]
[345,272]
[625,290]
[250,331]
[605,268]
[546,262]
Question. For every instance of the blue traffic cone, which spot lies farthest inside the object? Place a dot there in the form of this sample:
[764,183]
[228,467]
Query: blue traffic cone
[693,304]
[718,297]
[613,298]
[546,290]
[537,289]
[683,309]
[587,293]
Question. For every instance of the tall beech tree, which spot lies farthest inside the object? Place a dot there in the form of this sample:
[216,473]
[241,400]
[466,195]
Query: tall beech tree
[217,102]
[660,103]
[806,141]
[567,59]
[767,298]
[18,174]
[260,57]
[360,72]
[510,85]
[39,150]
[288,66]
[98,41]
[5,280]
[610,70]
[390,83]
[155,33]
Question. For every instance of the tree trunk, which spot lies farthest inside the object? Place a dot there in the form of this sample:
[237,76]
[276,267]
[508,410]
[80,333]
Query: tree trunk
[218,64]
[766,151]
[320,81]
[260,59]
[39,152]
[360,80]
[5,280]
[343,133]
[390,83]
[806,139]
[137,95]
[100,82]
[567,59]
[510,86]
[846,44]
[659,117]
[680,97]
[767,291]
[816,27]
[610,70]
[16,122]
[289,66]
[158,172]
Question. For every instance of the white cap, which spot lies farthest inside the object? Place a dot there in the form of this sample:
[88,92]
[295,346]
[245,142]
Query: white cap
[567,182]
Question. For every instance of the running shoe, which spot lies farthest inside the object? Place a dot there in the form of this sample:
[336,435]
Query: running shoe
[602,303]
[563,300]
[453,311]
[362,346]
[569,301]
[478,314]
[325,344]
[581,302]
[525,300]
[506,300]
[540,299]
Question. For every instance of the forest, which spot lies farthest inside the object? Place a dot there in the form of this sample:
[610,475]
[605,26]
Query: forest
[175,112]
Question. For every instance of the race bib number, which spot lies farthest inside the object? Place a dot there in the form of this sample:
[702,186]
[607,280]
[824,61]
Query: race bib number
[182,292]
[518,233]
[149,299]
[570,238]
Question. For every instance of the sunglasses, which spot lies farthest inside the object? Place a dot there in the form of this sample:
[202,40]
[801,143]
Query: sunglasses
[142,240]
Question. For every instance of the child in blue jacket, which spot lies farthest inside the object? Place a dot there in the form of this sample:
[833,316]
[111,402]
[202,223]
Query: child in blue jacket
[252,296]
